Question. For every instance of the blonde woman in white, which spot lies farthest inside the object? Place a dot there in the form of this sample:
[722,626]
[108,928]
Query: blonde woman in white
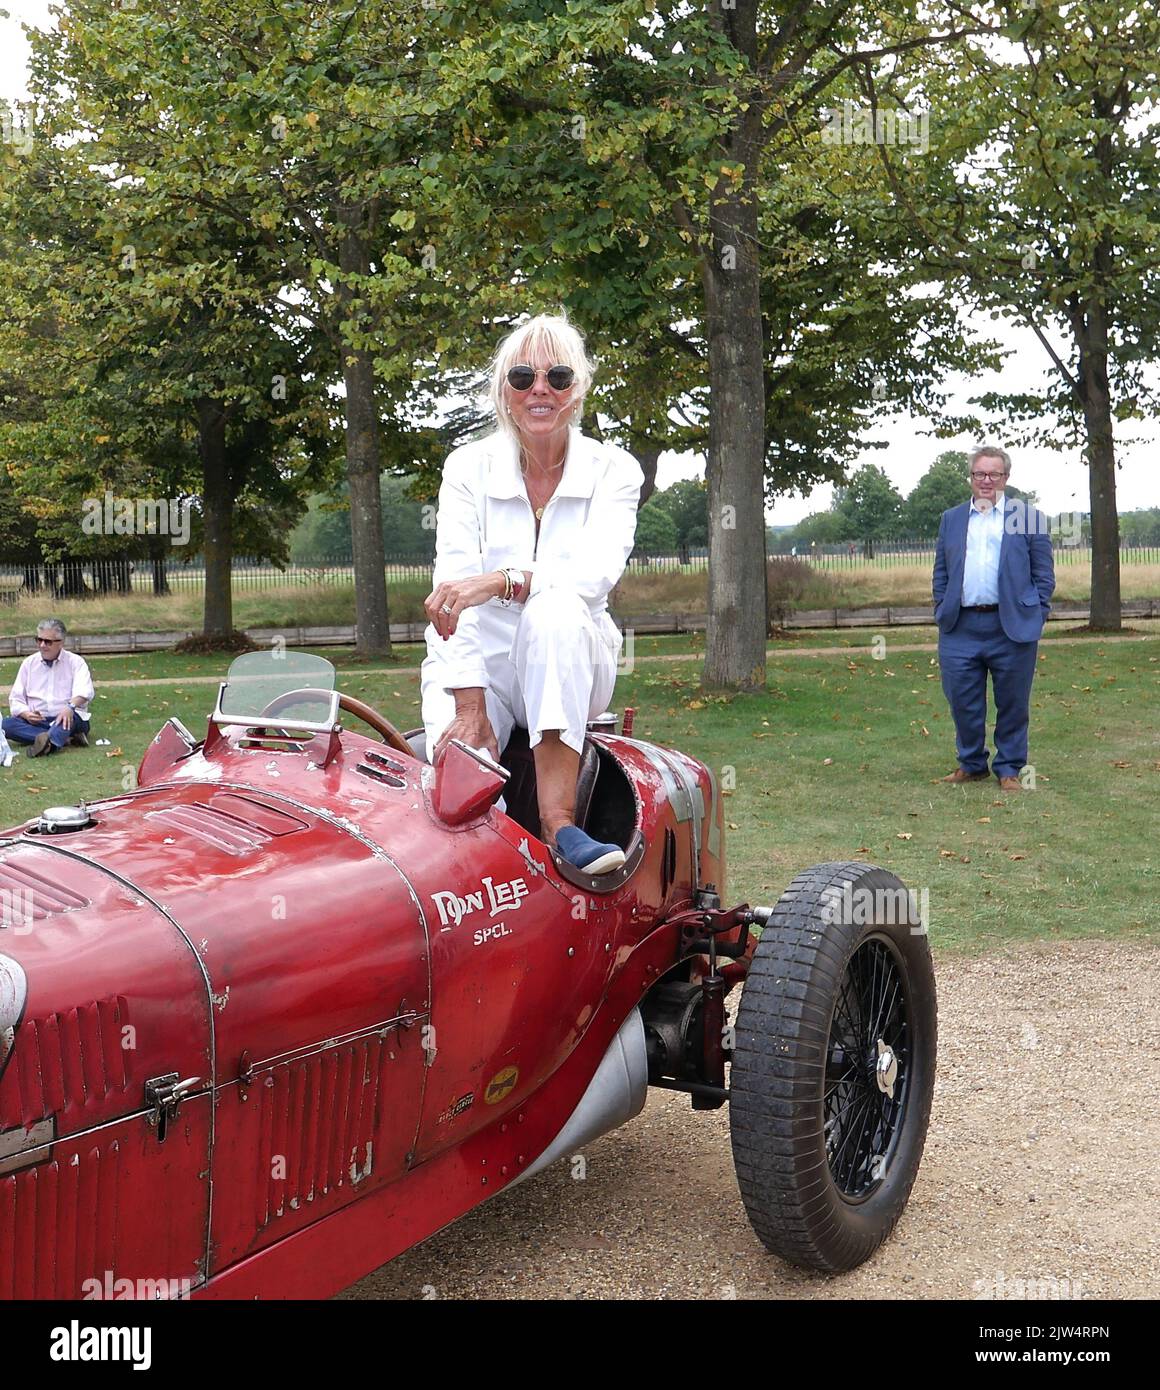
[535,525]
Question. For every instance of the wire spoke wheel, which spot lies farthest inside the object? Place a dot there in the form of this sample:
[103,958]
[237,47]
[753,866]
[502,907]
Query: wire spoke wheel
[866,1069]
[833,1069]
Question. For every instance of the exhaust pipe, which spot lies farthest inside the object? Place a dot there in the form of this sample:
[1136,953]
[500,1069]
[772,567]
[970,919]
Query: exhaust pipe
[614,1096]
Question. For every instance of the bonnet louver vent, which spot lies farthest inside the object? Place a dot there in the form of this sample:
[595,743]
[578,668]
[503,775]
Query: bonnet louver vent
[236,824]
[383,769]
[27,896]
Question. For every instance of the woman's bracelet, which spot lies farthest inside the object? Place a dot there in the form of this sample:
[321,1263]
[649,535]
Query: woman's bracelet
[513,580]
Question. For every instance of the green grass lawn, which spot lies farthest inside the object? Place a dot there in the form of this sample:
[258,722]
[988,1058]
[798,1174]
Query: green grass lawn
[1076,857]
[168,665]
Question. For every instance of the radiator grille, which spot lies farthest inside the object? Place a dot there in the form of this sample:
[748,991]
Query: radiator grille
[58,1223]
[66,1063]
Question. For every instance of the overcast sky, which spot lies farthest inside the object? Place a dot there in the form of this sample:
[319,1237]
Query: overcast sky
[1060,479]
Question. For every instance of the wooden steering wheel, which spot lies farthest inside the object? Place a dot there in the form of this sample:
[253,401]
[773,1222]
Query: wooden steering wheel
[359,708]
[378,722]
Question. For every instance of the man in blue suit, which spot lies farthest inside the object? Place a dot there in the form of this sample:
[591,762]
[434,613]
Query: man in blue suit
[993,581]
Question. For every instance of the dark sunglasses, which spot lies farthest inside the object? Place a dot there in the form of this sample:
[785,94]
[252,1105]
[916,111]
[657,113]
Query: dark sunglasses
[523,378]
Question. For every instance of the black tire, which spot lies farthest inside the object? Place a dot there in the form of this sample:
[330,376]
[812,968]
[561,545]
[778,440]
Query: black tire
[805,1074]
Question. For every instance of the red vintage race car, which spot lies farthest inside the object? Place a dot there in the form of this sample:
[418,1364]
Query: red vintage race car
[299,1000]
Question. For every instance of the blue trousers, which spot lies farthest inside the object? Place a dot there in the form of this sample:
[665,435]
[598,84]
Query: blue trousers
[19,730]
[975,647]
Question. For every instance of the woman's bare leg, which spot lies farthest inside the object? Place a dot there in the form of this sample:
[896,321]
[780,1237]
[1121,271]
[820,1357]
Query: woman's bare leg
[557,768]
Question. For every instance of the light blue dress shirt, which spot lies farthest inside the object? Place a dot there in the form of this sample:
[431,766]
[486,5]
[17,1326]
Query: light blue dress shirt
[984,542]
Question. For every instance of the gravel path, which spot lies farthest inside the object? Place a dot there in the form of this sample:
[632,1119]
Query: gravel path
[1040,1165]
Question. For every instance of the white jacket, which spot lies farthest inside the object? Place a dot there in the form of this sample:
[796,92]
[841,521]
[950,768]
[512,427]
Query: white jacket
[485,522]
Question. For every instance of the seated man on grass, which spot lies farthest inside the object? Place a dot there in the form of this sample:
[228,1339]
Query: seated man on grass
[51,695]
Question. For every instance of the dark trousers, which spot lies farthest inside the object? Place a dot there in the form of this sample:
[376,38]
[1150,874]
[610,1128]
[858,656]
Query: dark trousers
[20,730]
[977,647]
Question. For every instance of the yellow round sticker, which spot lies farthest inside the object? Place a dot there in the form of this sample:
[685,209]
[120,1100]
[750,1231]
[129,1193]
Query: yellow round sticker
[501,1085]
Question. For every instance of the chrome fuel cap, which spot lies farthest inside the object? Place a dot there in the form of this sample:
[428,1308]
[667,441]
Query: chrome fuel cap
[60,820]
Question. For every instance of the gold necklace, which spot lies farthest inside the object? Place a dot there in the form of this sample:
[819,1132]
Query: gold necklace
[538,511]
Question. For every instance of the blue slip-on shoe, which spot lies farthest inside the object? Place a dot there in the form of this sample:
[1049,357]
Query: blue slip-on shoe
[585,853]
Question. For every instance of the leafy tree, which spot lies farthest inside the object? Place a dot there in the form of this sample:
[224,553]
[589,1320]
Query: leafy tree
[667,149]
[687,503]
[822,528]
[656,532]
[1039,204]
[1141,527]
[298,134]
[944,484]
[162,369]
[324,532]
[870,507]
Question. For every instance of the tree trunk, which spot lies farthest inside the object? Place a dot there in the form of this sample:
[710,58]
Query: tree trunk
[72,580]
[737,624]
[363,460]
[1092,338]
[218,515]
[647,455]
[160,579]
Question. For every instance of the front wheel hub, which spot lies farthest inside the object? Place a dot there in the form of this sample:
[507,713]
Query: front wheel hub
[886,1069]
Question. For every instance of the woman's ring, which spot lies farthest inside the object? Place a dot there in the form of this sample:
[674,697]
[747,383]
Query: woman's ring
[446,608]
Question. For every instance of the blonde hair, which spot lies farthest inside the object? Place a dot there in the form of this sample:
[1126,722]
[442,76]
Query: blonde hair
[563,344]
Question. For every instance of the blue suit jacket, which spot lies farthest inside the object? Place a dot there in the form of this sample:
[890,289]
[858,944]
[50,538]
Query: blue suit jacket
[1026,570]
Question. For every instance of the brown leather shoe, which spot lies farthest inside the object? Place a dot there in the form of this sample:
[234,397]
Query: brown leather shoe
[1010,784]
[960,774]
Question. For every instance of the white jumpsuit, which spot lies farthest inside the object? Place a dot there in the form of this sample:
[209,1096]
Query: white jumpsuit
[549,663]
